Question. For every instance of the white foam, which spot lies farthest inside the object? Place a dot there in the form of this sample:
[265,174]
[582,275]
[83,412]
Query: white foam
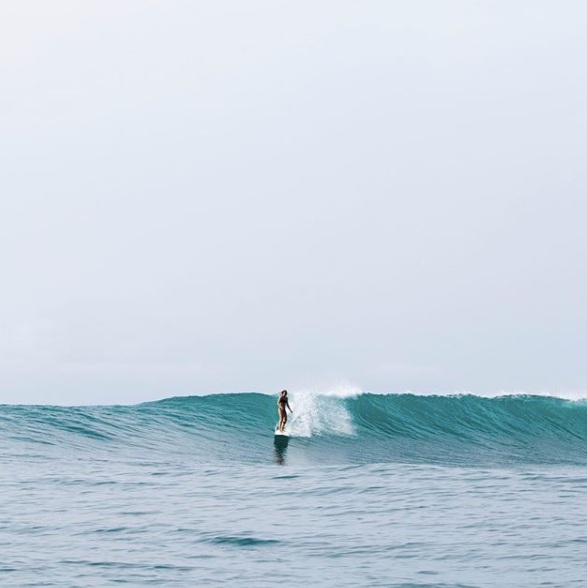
[562,394]
[321,413]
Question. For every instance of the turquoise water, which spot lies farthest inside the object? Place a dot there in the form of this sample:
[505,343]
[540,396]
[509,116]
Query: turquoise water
[370,490]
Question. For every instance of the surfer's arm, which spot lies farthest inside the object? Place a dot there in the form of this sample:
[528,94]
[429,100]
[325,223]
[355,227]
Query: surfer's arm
[288,406]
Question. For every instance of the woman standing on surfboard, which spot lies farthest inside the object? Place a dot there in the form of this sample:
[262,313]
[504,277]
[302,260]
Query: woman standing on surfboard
[282,404]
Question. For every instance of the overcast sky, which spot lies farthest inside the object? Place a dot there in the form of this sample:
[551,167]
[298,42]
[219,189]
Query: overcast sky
[215,196]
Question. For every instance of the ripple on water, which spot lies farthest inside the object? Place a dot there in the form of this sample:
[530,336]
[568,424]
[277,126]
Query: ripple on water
[240,541]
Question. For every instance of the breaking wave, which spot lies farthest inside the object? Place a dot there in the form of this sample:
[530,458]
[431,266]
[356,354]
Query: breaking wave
[342,426]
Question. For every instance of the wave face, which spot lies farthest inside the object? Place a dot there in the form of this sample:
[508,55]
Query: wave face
[356,429]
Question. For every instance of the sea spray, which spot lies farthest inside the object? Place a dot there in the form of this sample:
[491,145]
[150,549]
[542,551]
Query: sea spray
[320,414]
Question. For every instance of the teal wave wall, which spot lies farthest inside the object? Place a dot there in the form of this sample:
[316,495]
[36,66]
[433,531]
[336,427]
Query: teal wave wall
[363,428]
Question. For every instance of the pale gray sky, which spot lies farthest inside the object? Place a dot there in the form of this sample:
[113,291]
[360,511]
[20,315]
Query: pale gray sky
[214,196]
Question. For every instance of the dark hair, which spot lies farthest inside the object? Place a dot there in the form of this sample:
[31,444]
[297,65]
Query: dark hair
[283,392]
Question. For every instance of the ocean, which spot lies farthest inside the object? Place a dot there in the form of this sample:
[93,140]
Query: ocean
[395,490]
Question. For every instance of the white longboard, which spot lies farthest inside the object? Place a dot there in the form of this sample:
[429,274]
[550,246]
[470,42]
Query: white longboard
[279,433]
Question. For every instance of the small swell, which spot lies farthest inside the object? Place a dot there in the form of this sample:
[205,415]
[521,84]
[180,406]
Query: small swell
[241,541]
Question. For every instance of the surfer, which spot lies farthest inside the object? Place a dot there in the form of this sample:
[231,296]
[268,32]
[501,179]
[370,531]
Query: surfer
[282,404]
